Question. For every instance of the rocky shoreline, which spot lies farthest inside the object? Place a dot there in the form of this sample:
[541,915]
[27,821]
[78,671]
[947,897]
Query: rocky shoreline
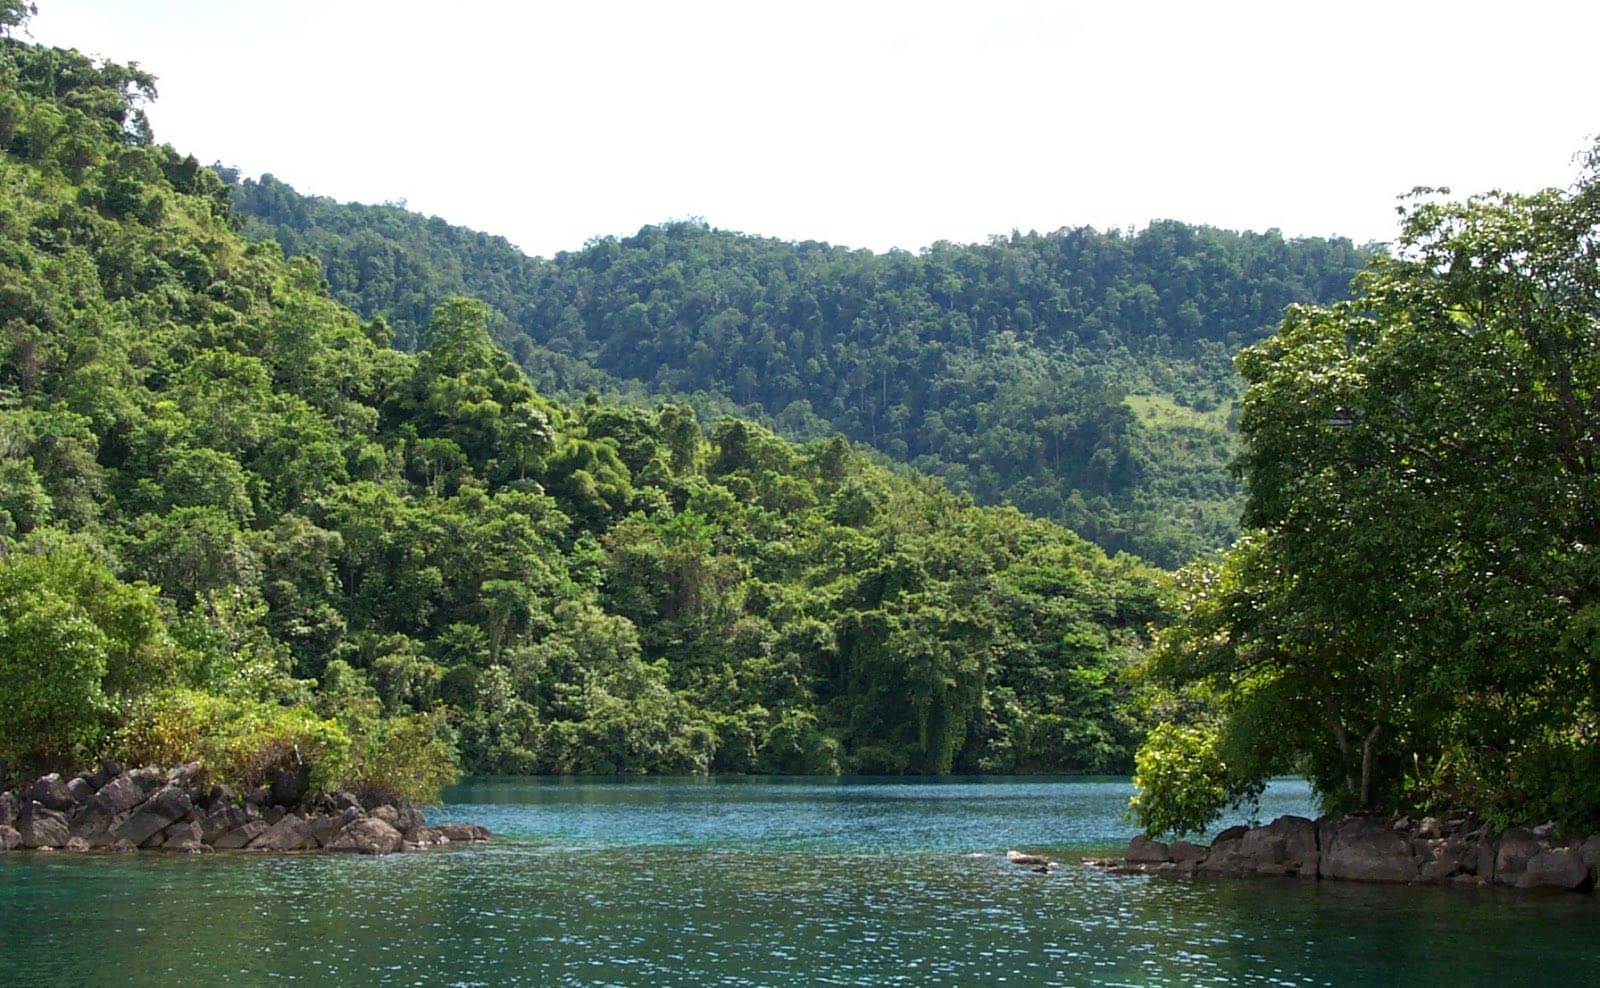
[147,809]
[1367,849]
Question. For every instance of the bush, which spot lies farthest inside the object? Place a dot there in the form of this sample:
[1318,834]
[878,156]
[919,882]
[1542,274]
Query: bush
[408,758]
[239,742]
[1180,782]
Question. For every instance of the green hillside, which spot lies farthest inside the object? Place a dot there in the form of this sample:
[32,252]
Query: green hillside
[236,524]
[1000,368]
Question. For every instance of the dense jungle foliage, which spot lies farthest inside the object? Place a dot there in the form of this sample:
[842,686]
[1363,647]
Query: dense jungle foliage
[1413,620]
[235,523]
[1081,376]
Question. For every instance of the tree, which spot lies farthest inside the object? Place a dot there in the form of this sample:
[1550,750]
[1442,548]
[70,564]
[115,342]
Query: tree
[1424,587]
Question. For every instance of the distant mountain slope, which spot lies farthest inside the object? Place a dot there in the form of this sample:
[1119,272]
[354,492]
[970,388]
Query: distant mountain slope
[1005,368]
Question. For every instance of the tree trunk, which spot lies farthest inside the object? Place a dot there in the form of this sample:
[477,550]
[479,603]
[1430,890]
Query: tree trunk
[1366,765]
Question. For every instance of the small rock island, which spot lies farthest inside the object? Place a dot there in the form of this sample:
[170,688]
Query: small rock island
[117,809]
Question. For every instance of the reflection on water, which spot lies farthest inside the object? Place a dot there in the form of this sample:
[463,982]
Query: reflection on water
[763,882]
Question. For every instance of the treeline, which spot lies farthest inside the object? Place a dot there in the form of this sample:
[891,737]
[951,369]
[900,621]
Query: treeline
[236,524]
[1413,620]
[1001,368]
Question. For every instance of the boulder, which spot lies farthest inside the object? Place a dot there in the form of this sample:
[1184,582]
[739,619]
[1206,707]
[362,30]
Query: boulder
[79,789]
[240,836]
[290,785]
[109,769]
[388,814]
[185,775]
[41,826]
[1558,868]
[10,839]
[1445,858]
[1143,850]
[291,833]
[1286,846]
[367,835]
[1430,828]
[342,801]
[411,821]
[1224,858]
[182,836]
[1186,852]
[1515,849]
[75,844]
[52,793]
[156,814]
[459,832]
[221,821]
[325,825]
[1590,850]
[148,778]
[119,795]
[1362,850]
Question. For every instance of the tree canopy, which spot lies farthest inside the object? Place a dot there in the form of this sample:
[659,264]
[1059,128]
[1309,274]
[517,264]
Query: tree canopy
[1082,376]
[1420,587]
[388,557]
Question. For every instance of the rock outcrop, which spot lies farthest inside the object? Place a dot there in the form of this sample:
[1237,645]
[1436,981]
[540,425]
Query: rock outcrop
[1367,849]
[116,809]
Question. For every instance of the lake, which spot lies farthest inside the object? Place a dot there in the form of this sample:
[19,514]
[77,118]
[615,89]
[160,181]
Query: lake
[764,882]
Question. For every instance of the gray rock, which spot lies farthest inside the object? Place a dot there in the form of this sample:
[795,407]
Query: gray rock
[119,795]
[1559,868]
[185,775]
[160,811]
[1362,850]
[1143,850]
[1544,830]
[411,821]
[109,769]
[240,836]
[10,840]
[222,820]
[342,801]
[325,826]
[76,844]
[185,835]
[41,826]
[1590,850]
[1515,849]
[148,778]
[290,785]
[123,847]
[459,832]
[1286,846]
[1429,828]
[289,834]
[388,814]
[1444,858]
[80,790]
[53,794]
[1224,857]
[1183,852]
[367,835]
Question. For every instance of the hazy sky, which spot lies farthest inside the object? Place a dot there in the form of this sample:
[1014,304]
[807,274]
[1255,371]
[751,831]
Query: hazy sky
[871,124]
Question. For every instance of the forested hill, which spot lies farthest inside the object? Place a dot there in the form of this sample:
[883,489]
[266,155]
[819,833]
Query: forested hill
[237,525]
[1083,376]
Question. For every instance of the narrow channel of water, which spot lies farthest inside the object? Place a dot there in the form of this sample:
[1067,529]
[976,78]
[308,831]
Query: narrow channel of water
[764,882]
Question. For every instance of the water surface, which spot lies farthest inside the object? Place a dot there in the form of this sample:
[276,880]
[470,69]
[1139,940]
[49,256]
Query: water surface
[763,882]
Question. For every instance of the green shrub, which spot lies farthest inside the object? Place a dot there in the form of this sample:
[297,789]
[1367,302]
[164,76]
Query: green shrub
[240,742]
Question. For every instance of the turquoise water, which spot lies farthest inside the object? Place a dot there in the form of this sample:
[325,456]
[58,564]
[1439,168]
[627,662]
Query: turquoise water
[770,882]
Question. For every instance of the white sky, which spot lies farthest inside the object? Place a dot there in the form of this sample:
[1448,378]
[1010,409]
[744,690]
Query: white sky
[871,124]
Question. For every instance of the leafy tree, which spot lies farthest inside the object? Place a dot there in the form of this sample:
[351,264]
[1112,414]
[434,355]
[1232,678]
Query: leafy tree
[1420,467]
